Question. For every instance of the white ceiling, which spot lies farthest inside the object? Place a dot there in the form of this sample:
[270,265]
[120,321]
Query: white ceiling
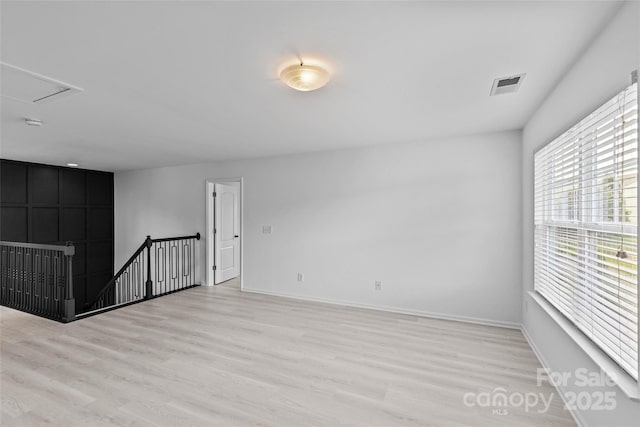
[170,83]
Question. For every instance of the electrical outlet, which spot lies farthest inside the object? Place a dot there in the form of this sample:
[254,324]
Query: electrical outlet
[300,277]
[378,285]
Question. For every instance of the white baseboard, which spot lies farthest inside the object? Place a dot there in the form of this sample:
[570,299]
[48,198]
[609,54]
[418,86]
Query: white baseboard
[577,417]
[480,321]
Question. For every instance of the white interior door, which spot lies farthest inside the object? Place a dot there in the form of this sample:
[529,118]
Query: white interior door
[227,232]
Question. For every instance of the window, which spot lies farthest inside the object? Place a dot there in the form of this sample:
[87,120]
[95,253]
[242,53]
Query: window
[586,225]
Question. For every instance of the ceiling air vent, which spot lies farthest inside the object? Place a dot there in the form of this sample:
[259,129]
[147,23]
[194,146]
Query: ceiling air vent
[506,84]
[27,86]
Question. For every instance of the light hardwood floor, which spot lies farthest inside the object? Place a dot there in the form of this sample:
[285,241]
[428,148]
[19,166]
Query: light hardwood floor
[216,356]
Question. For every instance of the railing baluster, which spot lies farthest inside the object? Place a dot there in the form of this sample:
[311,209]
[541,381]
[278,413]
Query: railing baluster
[183,246]
[14,278]
[54,281]
[191,260]
[18,268]
[149,282]
[29,274]
[173,265]
[47,267]
[37,256]
[140,281]
[42,271]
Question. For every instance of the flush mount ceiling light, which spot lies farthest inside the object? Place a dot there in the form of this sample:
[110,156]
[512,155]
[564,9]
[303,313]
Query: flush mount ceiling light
[72,165]
[304,77]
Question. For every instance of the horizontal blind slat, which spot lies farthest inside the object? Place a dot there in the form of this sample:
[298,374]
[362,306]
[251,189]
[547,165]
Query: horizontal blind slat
[585,213]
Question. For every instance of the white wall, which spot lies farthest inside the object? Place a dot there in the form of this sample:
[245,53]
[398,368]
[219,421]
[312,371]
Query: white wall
[439,223]
[602,71]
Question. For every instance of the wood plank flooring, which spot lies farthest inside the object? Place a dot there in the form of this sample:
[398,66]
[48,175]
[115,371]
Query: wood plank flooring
[219,357]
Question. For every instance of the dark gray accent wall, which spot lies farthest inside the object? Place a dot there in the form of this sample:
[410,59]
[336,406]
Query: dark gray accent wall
[53,204]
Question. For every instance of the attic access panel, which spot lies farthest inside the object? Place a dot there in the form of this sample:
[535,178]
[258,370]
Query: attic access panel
[27,86]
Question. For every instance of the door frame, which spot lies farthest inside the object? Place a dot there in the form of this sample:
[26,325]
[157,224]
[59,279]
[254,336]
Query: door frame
[209,220]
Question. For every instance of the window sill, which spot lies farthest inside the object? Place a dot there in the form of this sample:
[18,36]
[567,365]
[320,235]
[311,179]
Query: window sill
[623,380]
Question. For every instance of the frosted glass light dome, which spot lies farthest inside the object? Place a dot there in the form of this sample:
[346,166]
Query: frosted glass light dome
[304,77]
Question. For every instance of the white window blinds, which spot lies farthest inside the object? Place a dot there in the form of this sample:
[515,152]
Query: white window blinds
[586,205]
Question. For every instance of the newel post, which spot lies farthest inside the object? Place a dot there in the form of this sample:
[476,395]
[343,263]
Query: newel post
[149,284]
[69,301]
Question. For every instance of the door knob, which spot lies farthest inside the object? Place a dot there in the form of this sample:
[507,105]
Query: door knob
[236,236]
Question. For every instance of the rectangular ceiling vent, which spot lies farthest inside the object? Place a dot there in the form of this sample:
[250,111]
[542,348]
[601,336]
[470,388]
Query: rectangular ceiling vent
[27,86]
[506,84]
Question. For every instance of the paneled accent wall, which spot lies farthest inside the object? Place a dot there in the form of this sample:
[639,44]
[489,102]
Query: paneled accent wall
[52,204]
